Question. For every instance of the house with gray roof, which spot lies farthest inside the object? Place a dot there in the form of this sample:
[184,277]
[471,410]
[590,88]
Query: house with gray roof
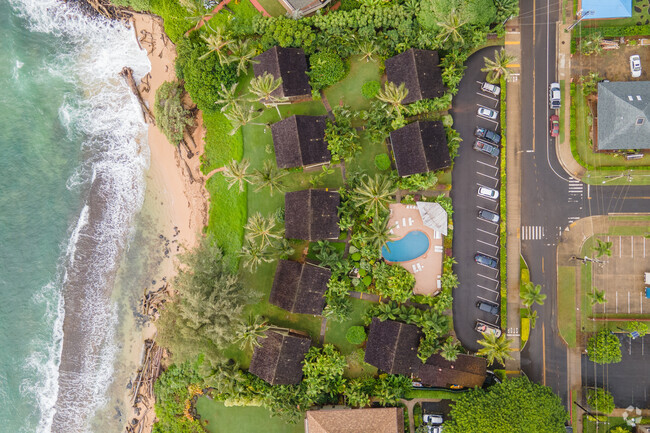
[290,64]
[420,72]
[278,358]
[623,120]
[420,147]
[299,141]
[300,287]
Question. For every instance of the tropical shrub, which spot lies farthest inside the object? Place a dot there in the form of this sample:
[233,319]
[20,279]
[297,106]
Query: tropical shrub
[639,327]
[172,394]
[342,138]
[370,89]
[604,348]
[382,161]
[171,116]
[600,400]
[326,68]
[356,335]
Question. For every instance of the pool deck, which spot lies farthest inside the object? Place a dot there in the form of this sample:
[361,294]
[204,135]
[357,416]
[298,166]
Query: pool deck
[427,268]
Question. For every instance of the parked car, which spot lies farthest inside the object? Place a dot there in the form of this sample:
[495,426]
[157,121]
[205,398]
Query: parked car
[487,135]
[488,113]
[433,423]
[635,66]
[491,88]
[554,96]
[554,125]
[484,260]
[488,216]
[484,328]
[486,192]
[485,147]
[488,307]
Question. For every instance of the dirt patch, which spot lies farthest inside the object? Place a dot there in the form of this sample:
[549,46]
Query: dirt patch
[613,65]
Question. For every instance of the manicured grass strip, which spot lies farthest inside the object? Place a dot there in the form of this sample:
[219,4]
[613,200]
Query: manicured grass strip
[503,233]
[217,418]
[629,218]
[220,146]
[432,393]
[567,303]
[336,331]
[618,230]
[348,90]
[227,215]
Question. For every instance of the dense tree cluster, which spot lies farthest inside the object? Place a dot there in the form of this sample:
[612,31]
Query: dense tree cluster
[604,348]
[172,117]
[600,400]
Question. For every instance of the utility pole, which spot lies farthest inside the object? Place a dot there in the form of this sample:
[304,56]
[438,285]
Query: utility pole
[581,16]
[586,259]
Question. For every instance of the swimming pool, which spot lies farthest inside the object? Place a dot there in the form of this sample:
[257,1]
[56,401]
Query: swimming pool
[410,247]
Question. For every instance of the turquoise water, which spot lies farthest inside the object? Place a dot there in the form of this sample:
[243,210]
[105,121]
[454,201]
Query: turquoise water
[410,247]
[74,154]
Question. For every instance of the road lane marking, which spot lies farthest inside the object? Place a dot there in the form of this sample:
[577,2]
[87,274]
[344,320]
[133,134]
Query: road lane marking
[485,299]
[513,65]
[512,42]
[532,233]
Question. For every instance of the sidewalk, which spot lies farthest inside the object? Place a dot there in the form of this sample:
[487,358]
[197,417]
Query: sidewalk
[513,194]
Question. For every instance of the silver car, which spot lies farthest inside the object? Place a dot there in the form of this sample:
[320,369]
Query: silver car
[486,192]
[488,113]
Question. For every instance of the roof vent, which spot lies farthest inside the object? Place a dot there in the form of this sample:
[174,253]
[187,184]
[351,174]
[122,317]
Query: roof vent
[630,98]
[638,97]
[640,120]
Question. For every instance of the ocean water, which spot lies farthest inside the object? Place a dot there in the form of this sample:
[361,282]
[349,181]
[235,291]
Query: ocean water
[72,181]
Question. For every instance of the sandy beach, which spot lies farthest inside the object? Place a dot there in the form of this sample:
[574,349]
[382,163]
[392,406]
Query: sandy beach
[177,200]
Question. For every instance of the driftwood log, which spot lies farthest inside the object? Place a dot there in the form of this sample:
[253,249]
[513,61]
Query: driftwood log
[143,393]
[127,74]
[103,8]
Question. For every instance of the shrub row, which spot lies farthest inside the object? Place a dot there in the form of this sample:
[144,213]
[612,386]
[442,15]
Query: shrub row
[502,202]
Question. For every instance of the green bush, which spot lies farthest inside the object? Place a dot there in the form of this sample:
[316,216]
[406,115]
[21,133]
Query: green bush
[356,335]
[370,89]
[171,116]
[604,348]
[138,5]
[348,5]
[327,68]
[382,161]
[600,400]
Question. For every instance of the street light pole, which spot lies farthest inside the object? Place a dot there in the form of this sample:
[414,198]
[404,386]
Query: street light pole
[582,17]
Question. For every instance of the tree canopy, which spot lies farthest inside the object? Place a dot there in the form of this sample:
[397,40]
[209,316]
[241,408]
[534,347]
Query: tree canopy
[171,115]
[604,348]
[514,406]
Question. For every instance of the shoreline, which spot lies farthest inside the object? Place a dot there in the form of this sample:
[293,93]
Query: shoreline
[179,200]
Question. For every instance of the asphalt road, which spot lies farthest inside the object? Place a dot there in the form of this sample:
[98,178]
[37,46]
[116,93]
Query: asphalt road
[471,234]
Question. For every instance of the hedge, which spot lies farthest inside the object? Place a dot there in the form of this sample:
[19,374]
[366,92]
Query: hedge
[502,201]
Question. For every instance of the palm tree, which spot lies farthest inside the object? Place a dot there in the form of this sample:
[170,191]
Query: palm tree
[374,193]
[251,331]
[235,173]
[597,297]
[531,294]
[197,10]
[393,95]
[378,233]
[451,25]
[450,350]
[228,97]
[242,115]
[368,50]
[254,255]
[499,66]
[218,42]
[603,248]
[264,228]
[263,87]
[242,53]
[269,176]
[532,316]
[495,348]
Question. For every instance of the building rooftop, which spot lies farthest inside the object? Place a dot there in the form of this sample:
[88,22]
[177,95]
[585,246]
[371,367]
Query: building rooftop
[393,346]
[606,8]
[420,147]
[300,141]
[312,214]
[290,64]
[467,371]
[279,359]
[624,115]
[419,70]
[369,420]
[300,287]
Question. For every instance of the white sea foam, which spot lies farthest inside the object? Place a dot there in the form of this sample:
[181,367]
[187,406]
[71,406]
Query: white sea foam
[115,158]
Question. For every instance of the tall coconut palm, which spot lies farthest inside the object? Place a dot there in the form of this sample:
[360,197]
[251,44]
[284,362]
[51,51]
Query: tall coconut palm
[368,50]
[451,25]
[253,255]
[532,294]
[377,233]
[242,115]
[393,94]
[498,66]
[264,229]
[263,87]
[597,297]
[228,97]
[197,10]
[242,53]
[270,176]
[450,350]
[495,348]
[236,173]
[374,194]
[603,248]
[251,331]
[217,42]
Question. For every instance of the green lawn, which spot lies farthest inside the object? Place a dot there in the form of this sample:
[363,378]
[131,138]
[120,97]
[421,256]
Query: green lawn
[241,419]
[336,331]
[585,287]
[616,230]
[590,425]
[364,161]
[273,7]
[567,304]
[432,393]
[349,89]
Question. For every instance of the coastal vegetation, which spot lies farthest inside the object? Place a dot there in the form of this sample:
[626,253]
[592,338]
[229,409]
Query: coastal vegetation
[221,311]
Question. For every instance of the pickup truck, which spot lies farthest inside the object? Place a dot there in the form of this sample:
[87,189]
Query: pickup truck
[554,96]
[486,147]
[484,328]
[487,135]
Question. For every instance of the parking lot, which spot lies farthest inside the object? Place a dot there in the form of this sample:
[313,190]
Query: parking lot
[474,169]
[621,276]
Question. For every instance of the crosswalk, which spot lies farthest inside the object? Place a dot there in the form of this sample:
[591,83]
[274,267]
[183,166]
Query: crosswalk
[576,191]
[531,233]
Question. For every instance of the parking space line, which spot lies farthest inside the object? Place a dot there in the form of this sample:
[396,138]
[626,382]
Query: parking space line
[487,175]
[487,96]
[641,301]
[489,290]
[490,222]
[490,245]
[483,231]
[488,278]
[486,300]
[489,165]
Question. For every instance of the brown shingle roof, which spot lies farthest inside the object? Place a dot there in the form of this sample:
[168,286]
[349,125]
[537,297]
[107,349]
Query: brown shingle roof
[393,347]
[300,288]
[312,214]
[279,358]
[467,371]
[300,141]
[419,70]
[381,420]
[290,64]
[420,147]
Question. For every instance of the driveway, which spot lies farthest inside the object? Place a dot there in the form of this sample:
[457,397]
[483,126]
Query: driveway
[471,234]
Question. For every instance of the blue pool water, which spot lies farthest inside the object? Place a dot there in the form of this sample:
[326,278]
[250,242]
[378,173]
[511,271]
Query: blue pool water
[410,247]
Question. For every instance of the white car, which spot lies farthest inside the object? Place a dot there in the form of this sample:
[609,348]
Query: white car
[554,96]
[486,192]
[488,113]
[491,88]
[635,66]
